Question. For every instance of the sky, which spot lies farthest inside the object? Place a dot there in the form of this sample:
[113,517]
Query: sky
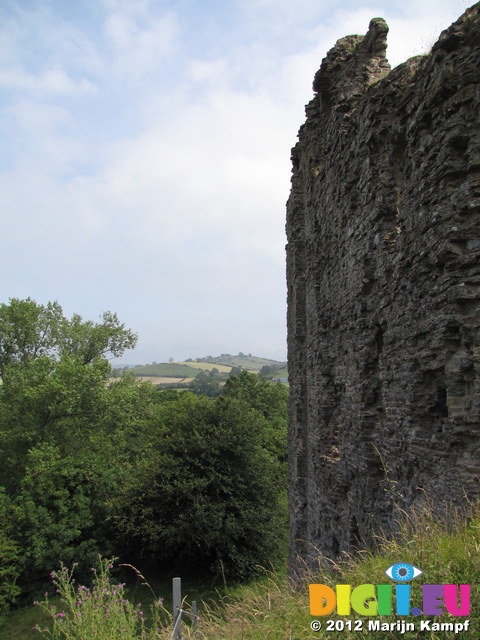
[145,156]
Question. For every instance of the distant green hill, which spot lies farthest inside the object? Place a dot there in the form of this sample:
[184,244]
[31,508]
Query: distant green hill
[224,364]
[167,370]
[208,366]
[252,363]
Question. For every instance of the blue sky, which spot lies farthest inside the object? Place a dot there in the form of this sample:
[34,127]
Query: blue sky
[145,156]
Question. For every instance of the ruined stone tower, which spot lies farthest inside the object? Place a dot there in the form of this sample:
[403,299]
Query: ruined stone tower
[383,273]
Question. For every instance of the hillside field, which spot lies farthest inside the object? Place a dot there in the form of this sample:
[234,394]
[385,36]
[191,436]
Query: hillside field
[208,366]
[167,370]
[249,362]
[179,371]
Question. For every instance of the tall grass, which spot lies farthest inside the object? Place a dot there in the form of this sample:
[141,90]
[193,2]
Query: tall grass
[447,551]
[100,611]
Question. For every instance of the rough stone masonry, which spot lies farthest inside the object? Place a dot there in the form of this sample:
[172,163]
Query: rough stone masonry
[383,274]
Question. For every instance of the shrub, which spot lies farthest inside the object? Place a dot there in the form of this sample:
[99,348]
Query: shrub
[10,557]
[208,491]
[100,611]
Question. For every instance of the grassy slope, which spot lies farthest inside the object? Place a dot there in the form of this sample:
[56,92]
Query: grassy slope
[208,366]
[224,364]
[447,552]
[167,370]
[19,624]
[272,607]
[252,363]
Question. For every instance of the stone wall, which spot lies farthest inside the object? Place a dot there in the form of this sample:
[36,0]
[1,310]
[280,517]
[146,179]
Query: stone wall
[383,273]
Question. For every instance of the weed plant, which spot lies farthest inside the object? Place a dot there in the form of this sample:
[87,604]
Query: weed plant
[447,551]
[101,611]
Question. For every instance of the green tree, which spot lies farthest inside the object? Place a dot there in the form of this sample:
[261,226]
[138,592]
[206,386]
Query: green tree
[207,492]
[267,370]
[11,561]
[29,330]
[270,400]
[205,384]
[54,379]
[66,434]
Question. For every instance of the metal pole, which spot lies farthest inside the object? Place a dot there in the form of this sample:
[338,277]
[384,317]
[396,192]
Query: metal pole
[177,605]
[194,615]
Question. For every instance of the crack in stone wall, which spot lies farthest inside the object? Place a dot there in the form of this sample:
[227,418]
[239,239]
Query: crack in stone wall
[383,278]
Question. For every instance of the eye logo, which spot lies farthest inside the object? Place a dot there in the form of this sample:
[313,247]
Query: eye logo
[377,600]
[403,572]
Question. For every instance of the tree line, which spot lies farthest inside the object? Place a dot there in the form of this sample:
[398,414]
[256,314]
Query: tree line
[91,467]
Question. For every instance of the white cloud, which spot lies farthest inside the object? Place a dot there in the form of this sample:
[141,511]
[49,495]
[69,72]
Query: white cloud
[48,81]
[147,168]
[139,44]
[58,81]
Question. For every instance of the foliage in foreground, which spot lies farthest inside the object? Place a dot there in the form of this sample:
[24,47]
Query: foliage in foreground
[98,611]
[88,466]
[208,490]
[275,607]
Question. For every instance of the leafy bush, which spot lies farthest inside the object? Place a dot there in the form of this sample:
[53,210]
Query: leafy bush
[207,490]
[10,556]
[59,510]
